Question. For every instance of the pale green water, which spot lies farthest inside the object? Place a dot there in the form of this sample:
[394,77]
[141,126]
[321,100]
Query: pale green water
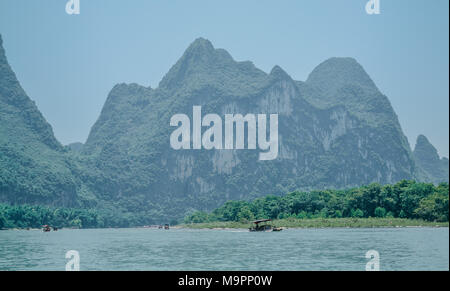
[177,249]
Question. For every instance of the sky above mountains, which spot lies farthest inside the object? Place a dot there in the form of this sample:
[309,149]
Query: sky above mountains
[69,63]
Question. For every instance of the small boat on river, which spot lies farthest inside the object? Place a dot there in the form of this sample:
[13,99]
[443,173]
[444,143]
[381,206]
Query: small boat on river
[263,225]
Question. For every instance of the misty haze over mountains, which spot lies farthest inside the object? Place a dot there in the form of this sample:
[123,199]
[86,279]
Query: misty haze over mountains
[336,130]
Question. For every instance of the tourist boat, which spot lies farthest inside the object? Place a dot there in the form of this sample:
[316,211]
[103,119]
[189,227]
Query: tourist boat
[263,225]
[46,228]
[166,226]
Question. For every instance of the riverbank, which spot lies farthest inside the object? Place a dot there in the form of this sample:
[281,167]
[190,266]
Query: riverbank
[324,223]
[299,223]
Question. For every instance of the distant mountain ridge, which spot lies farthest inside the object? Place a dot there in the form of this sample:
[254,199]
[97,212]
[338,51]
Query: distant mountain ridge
[435,169]
[336,130]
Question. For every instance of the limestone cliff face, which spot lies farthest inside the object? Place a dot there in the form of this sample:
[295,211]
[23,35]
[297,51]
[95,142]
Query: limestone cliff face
[336,130]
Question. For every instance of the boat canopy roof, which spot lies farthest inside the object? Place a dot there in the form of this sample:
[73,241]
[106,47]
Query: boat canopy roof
[261,220]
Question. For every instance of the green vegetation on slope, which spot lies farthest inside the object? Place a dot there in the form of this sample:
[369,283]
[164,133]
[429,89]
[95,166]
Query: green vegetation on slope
[406,199]
[34,167]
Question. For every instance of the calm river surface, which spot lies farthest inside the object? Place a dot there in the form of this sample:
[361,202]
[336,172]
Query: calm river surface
[182,249]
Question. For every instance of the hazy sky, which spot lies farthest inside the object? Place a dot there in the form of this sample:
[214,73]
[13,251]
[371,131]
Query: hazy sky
[69,63]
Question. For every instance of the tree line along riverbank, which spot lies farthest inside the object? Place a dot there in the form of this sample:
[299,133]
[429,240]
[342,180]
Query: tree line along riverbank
[406,203]
[407,200]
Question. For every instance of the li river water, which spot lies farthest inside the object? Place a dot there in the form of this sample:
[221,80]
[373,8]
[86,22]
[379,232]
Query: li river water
[184,249]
